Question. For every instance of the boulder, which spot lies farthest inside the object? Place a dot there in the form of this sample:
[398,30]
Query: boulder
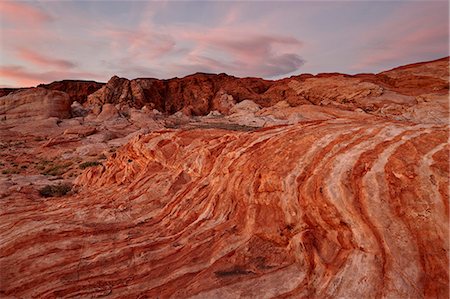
[246,106]
[77,110]
[108,112]
[35,103]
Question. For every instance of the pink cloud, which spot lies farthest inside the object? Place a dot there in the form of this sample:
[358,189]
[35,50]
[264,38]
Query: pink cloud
[244,53]
[178,49]
[248,46]
[21,12]
[24,77]
[143,43]
[405,37]
[42,60]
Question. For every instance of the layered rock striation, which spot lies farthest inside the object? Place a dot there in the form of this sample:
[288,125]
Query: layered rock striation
[335,208]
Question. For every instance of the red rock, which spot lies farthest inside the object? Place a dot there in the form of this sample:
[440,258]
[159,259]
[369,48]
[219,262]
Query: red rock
[6,91]
[200,94]
[298,211]
[81,131]
[78,90]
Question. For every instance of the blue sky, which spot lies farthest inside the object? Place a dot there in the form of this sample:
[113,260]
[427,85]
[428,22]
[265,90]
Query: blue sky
[46,41]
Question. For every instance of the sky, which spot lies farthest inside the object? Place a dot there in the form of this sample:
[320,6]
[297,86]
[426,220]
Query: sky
[44,41]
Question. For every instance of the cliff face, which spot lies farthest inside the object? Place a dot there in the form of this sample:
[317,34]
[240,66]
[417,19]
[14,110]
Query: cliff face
[343,197]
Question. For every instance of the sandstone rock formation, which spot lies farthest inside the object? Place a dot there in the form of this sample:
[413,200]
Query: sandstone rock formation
[35,103]
[199,94]
[320,209]
[326,186]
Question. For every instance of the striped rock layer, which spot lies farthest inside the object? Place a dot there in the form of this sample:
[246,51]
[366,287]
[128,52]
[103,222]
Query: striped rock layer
[320,209]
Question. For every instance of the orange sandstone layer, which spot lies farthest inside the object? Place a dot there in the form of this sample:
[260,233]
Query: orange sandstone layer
[334,208]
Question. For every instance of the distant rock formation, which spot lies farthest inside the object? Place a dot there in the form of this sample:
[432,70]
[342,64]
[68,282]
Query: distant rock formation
[387,94]
[198,94]
[77,90]
[393,94]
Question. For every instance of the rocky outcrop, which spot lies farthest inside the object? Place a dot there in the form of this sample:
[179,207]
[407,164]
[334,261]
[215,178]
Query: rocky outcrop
[200,94]
[78,90]
[418,78]
[34,103]
[336,208]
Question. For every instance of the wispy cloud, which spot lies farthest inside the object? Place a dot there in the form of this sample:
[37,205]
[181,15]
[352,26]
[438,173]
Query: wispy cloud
[243,52]
[40,59]
[23,13]
[405,36]
[25,77]
[142,43]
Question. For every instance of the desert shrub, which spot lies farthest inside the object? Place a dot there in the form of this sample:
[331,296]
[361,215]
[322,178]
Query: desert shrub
[55,170]
[172,126]
[227,126]
[55,190]
[89,164]
[10,171]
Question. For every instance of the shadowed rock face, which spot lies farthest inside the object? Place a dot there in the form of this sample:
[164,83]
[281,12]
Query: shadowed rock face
[6,91]
[320,209]
[76,89]
[346,197]
[196,93]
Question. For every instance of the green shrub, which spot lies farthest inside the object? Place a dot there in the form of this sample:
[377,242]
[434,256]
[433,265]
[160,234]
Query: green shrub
[10,171]
[89,164]
[55,190]
[55,170]
[227,126]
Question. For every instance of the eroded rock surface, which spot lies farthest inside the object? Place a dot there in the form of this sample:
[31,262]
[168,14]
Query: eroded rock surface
[326,208]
